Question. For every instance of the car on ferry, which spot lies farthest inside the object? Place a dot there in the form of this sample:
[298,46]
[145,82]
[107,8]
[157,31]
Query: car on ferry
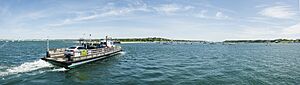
[74,50]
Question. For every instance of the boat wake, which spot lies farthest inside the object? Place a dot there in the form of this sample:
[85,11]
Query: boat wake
[28,67]
[122,53]
[60,69]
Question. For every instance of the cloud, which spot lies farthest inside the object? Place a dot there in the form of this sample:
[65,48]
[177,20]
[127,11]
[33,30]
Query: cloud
[34,15]
[95,14]
[111,10]
[294,29]
[256,32]
[188,7]
[220,15]
[75,20]
[170,9]
[280,12]
[202,14]
[167,8]
[260,20]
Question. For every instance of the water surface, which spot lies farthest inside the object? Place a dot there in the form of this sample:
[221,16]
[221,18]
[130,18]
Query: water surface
[157,64]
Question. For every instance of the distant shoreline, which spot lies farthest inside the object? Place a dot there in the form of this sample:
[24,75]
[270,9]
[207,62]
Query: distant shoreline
[154,39]
[264,41]
[133,42]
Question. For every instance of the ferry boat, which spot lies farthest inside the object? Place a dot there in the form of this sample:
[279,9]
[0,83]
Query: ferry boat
[86,52]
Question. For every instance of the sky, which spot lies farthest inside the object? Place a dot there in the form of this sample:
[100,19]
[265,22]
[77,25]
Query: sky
[212,20]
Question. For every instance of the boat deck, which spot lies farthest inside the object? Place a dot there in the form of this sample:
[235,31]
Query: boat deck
[58,54]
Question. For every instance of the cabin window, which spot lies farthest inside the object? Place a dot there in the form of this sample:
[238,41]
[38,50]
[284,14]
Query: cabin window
[80,48]
[72,47]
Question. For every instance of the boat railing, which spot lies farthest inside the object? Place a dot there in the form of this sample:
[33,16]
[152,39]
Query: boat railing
[97,52]
[58,54]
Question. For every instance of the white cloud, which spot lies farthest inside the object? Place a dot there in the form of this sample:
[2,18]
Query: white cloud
[33,15]
[170,9]
[281,12]
[256,32]
[202,14]
[220,15]
[167,8]
[110,10]
[107,12]
[261,20]
[188,7]
[116,12]
[295,29]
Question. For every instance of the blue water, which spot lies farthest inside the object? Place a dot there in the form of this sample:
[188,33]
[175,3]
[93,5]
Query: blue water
[157,64]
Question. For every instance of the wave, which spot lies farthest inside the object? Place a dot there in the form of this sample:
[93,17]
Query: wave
[1,46]
[26,67]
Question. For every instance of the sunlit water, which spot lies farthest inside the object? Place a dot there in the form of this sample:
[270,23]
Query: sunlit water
[157,64]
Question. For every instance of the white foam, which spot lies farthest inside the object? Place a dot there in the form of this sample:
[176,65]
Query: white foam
[3,67]
[26,67]
[60,69]
[122,53]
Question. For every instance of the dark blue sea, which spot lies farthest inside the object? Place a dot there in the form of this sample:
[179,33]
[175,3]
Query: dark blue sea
[156,64]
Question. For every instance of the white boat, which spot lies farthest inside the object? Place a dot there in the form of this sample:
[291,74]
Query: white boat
[91,52]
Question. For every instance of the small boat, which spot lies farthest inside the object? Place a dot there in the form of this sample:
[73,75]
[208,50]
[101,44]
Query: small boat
[86,52]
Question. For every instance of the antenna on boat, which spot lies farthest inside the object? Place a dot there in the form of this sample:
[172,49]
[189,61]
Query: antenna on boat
[47,43]
[47,53]
[90,37]
[84,42]
[106,40]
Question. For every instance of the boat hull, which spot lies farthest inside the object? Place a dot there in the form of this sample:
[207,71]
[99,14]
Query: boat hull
[71,64]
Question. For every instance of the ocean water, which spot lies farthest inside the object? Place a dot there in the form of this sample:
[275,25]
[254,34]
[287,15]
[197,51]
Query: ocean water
[156,64]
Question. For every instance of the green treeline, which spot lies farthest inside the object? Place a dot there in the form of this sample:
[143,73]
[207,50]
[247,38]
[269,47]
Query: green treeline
[157,39]
[264,41]
[154,39]
[142,39]
[149,39]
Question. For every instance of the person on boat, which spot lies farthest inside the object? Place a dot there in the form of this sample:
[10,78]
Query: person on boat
[68,56]
[84,53]
[47,54]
